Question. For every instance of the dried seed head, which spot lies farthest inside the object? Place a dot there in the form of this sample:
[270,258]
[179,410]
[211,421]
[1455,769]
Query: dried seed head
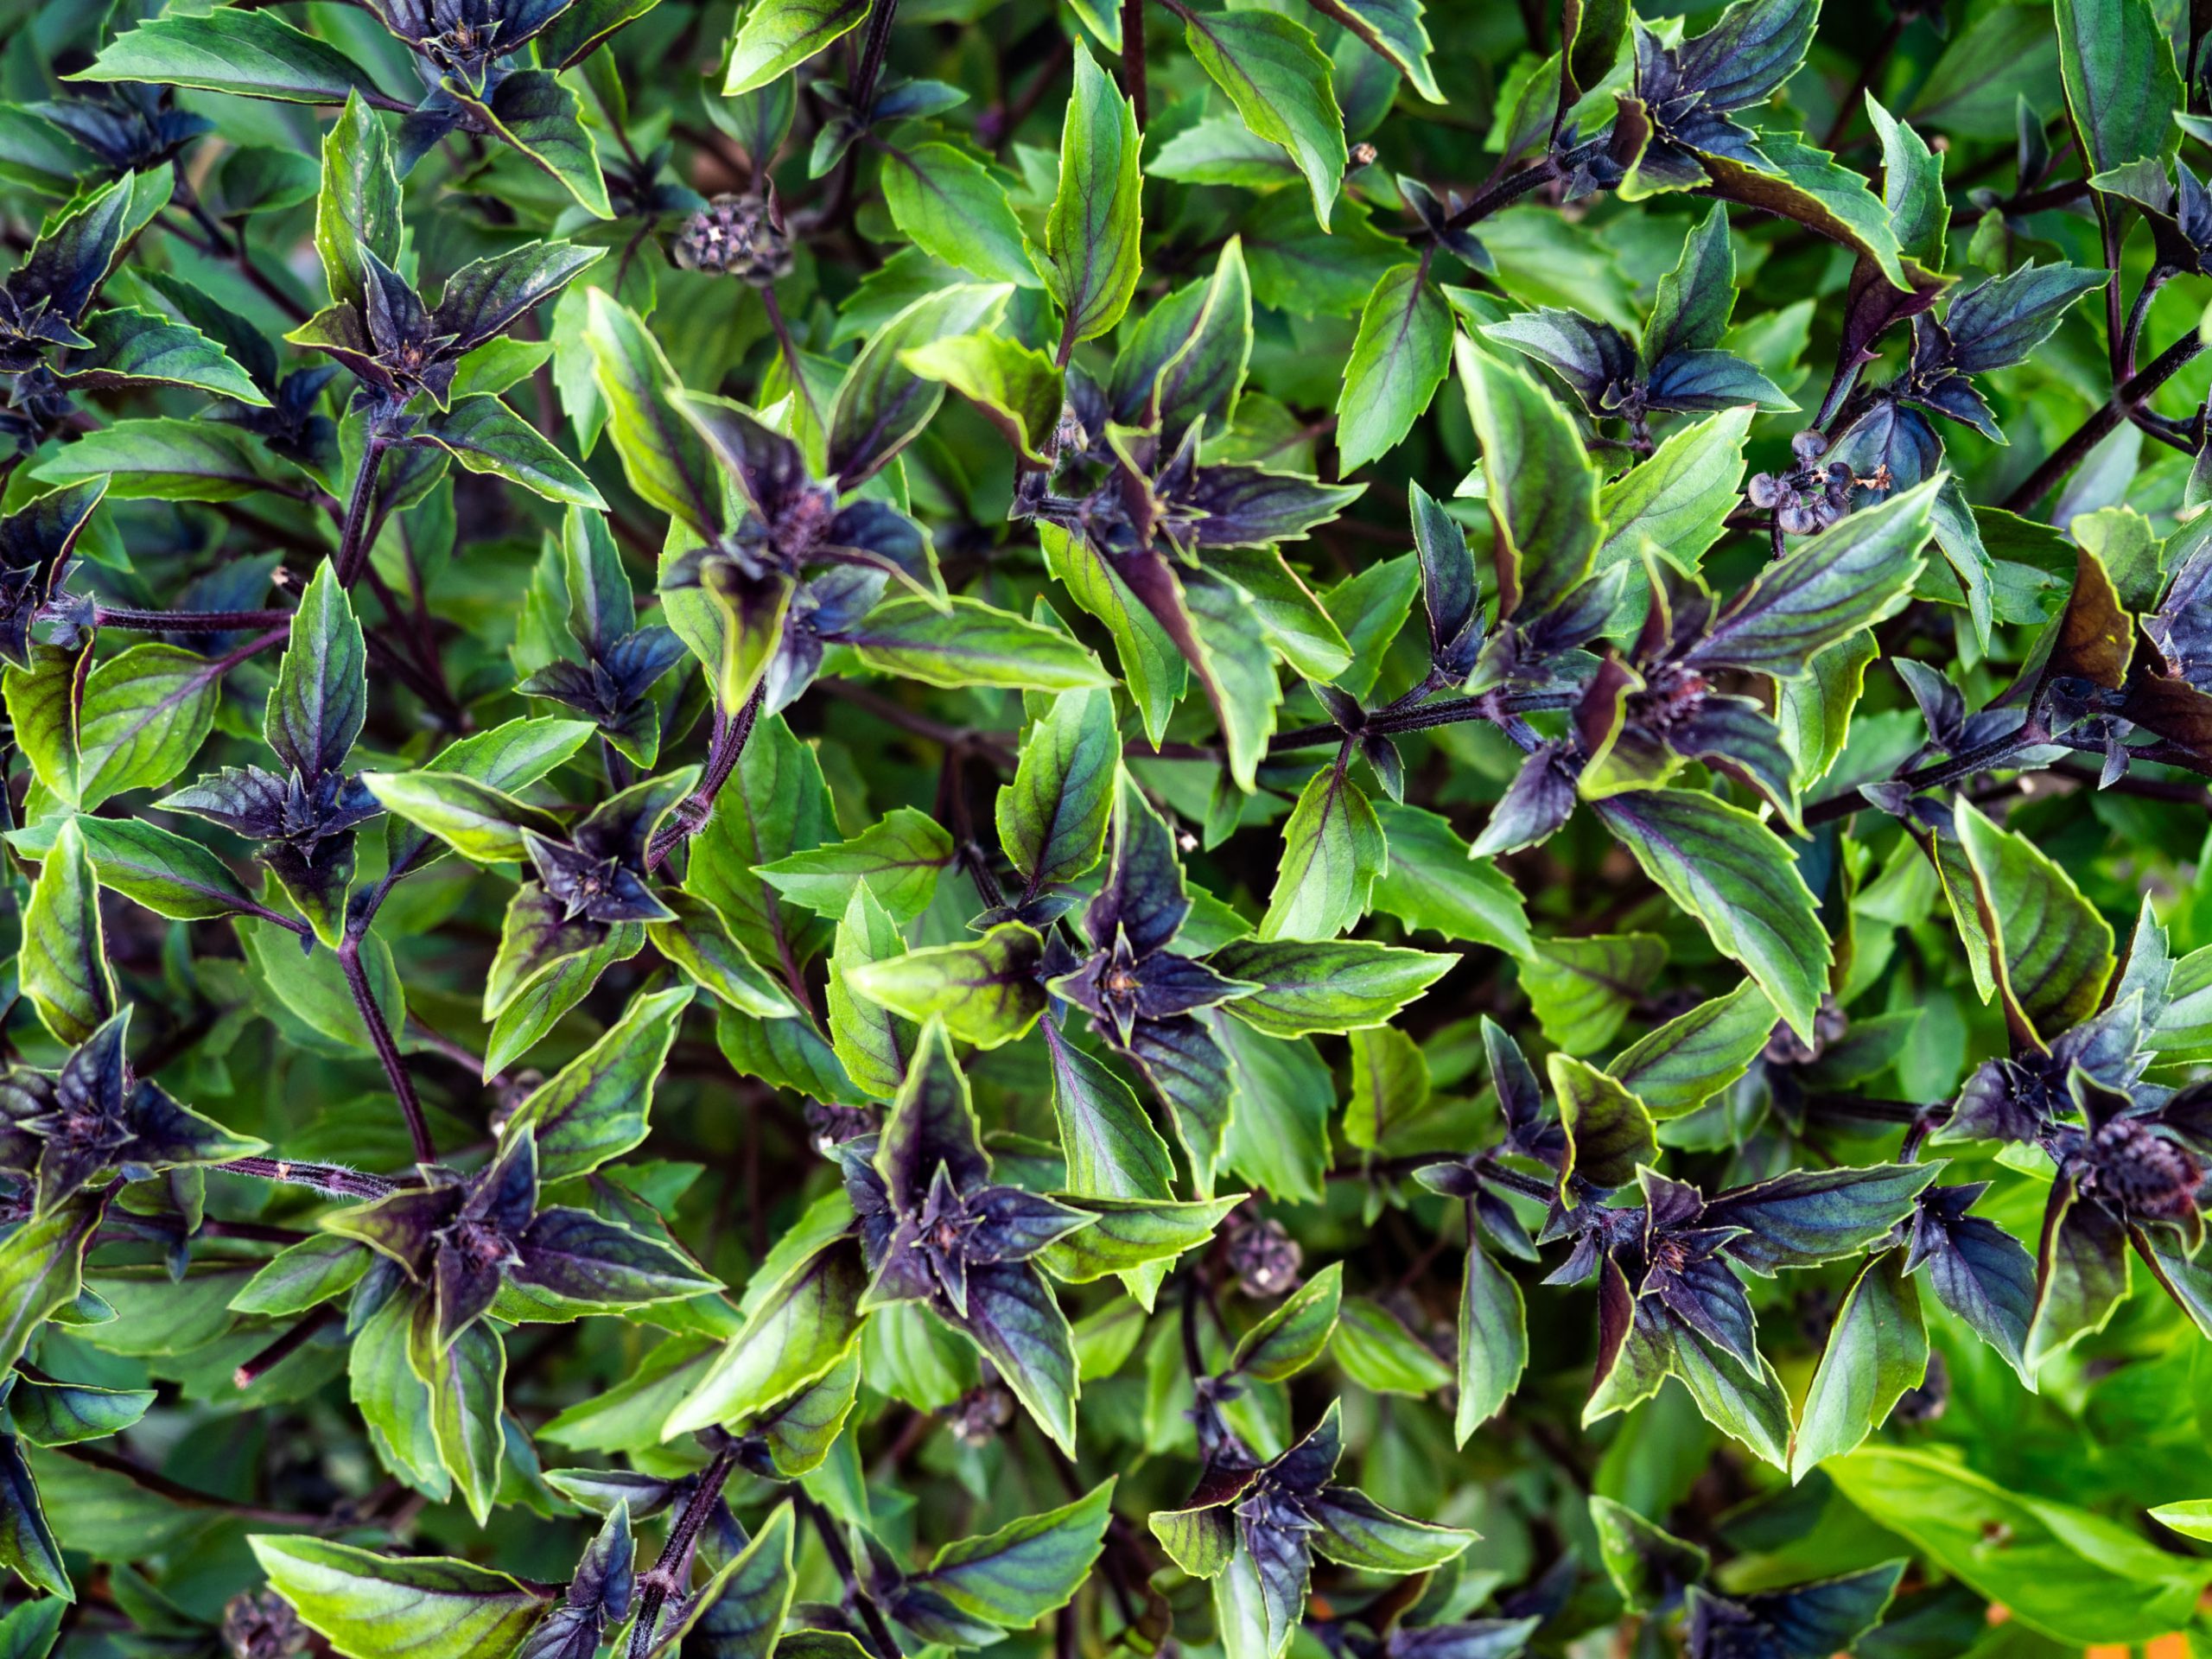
[1786,1048]
[1927,1403]
[1264,1257]
[262,1626]
[2151,1177]
[740,235]
[832,1126]
[980,1415]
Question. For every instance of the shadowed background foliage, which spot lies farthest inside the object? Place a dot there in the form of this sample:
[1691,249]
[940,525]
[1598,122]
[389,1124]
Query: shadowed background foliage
[854,828]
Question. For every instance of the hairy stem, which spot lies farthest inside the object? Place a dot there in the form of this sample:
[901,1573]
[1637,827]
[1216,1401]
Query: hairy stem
[283,1348]
[137,621]
[1133,65]
[395,1067]
[2131,392]
[338,1182]
[354,538]
[825,1526]
[692,812]
[665,1577]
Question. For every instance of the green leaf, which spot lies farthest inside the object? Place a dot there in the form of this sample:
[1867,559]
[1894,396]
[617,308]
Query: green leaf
[253,54]
[969,642]
[1608,1135]
[28,1546]
[1014,1577]
[1544,490]
[530,1004]
[63,967]
[301,1276]
[367,1605]
[700,942]
[1751,1408]
[1294,1335]
[1807,184]
[2077,1578]
[738,1613]
[1110,1145]
[162,871]
[394,1402]
[313,989]
[898,858]
[1912,187]
[1877,1349]
[1199,1540]
[484,435]
[44,706]
[167,461]
[1018,390]
[1332,850]
[1091,256]
[952,205]
[483,825]
[1125,1234]
[2118,68]
[1582,990]
[28,1630]
[594,1109]
[357,214]
[322,690]
[1677,498]
[882,404]
[1848,577]
[1379,1353]
[2050,953]
[1052,818]
[1236,666]
[466,1383]
[1275,1098]
[41,1270]
[508,757]
[1338,985]
[987,992]
[2192,1517]
[1353,1529]
[1493,1344]
[1389,1085]
[132,348]
[1281,82]
[1153,670]
[1646,1565]
[67,1414]
[798,1325]
[873,1042]
[663,457]
[1814,713]
[1731,871]
[144,716]
[1400,355]
[775,803]
[1393,30]
[540,118]
[1678,1067]
[776,36]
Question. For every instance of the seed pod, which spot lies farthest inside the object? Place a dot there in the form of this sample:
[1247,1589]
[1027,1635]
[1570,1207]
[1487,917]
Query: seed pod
[981,1414]
[743,236]
[262,1626]
[2151,1177]
[1264,1257]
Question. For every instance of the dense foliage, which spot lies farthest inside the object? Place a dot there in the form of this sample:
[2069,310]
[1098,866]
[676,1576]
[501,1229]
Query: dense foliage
[807,860]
